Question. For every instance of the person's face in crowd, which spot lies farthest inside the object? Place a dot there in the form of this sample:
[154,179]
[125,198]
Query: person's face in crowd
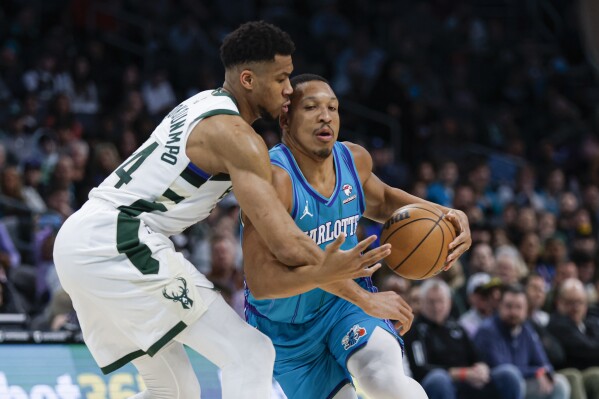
[413,299]
[223,255]
[426,172]
[526,221]
[556,181]
[506,269]
[572,302]
[564,270]
[568,203]
[482,259]
[530,247]
[463,198]
[480,178]
[547,225]
[11,182]
[63,170]
[536,292]
[586,271]
[436,305]
[513,309]
[556,250]
[591,197]
[312,123]
[448,174]
[270,85]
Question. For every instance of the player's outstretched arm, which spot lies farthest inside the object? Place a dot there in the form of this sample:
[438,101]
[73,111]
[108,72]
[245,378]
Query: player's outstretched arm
[226,143]
[268,278]
[382,200]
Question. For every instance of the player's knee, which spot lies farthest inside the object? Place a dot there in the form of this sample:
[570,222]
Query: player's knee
[259,348]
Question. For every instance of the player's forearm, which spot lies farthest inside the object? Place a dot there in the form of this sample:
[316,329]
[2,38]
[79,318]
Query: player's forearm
[350,291]
[275,280]
[274,224]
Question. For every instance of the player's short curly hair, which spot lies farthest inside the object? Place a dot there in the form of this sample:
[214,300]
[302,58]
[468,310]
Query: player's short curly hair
[255,41]
[306,77]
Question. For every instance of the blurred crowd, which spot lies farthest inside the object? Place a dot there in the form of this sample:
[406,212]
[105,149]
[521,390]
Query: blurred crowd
[496,105]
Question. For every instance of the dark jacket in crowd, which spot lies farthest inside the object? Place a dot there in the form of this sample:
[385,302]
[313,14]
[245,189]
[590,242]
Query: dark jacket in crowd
[432,346]
[522,349]
[581,344]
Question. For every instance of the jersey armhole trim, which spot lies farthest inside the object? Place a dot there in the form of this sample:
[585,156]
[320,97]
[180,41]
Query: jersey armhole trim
[349,159]
[294,198]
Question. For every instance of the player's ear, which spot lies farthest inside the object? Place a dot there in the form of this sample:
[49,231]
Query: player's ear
[247,79]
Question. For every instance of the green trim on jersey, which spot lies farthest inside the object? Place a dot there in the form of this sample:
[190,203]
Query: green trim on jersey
[127,235]
[222,111]
[221,92]
[192,178]
[173,196]
[170,334]
[152,350]
[127,242]
[221,177]
[140,206]
[122,361]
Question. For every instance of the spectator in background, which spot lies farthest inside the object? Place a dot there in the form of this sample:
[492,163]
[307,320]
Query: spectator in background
[579,335]
[483,294]
[444,359]
[158,94]
[224,271]
[508,338]
[482,259]
[530,249]
[536,292]
[510,267]
[442,190]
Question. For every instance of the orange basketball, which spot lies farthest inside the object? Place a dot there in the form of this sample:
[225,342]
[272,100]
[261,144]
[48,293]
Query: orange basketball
[419,235]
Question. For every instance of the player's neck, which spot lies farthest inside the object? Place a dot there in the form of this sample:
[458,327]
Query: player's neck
[246,111]
[318,171]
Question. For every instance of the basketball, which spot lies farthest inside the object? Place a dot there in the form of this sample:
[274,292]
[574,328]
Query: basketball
[419,235]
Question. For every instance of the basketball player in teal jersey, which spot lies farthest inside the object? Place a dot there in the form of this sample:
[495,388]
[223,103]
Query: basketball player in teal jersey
[324,334]
[140,301]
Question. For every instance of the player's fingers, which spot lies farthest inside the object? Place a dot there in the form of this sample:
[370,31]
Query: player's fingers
[368,271]
[335,245]
[376,254]
[365,243]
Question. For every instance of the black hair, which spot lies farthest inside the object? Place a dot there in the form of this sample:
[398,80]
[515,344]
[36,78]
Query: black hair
[255,41]
[515,289]
[306,77]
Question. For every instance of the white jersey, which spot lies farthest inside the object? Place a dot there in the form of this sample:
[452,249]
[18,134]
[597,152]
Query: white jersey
[158,183]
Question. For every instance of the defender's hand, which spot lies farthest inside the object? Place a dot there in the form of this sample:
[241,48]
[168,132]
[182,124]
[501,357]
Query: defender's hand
[338,264]
[463,241]
[390,305]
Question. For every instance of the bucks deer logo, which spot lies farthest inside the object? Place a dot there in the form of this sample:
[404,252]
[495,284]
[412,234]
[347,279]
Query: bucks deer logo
[182,297]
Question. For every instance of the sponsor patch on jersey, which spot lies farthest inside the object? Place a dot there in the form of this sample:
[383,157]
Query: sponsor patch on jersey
[347,189]
[353,336]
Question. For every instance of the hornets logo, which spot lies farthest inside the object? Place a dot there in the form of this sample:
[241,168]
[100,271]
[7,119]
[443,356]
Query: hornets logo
[353,336]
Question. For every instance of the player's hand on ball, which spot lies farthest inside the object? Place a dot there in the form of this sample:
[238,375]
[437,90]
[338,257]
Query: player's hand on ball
[339,264]
[463,241]
[390,305]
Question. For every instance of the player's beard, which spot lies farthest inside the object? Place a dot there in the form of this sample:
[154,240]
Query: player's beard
[324,153]
[267,116]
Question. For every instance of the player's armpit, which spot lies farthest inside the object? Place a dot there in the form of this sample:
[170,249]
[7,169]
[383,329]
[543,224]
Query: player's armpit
[266,277]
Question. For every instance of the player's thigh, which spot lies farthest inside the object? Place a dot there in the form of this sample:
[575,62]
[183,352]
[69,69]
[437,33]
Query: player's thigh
[224,338]
[169,373]
[319,376]
[353,329]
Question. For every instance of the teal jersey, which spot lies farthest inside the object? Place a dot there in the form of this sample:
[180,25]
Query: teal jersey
[323,220]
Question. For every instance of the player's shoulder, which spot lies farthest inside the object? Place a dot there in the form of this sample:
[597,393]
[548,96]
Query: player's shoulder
[362,157]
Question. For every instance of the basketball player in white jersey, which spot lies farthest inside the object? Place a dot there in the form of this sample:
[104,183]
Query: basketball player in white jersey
[136,298]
